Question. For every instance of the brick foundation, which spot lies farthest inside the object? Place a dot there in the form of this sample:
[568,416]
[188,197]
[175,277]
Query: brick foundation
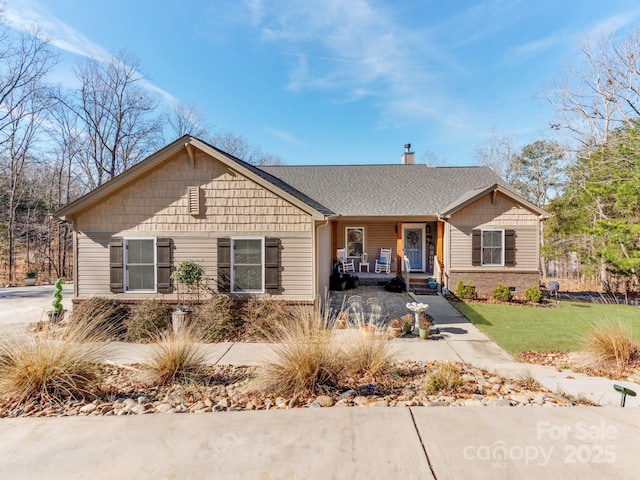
[485,282]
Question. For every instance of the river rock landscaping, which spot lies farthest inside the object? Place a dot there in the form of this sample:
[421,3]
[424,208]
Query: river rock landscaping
[231,388]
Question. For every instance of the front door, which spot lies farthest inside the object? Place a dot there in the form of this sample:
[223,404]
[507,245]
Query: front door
[413,244]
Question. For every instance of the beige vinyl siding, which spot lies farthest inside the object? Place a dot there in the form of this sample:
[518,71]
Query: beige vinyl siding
[377,235]
[501,214]
[157,205]
[93,255]
[159,201]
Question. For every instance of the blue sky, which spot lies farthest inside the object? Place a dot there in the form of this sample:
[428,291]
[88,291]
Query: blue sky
[341,81]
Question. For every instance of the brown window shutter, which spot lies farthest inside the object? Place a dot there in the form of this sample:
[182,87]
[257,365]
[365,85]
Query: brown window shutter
[510,248]
[224,264]
[272,265]
[116,272]
[163,264]
[193,197]
[476,248]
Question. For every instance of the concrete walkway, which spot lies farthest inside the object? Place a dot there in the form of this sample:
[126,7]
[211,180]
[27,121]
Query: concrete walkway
[377,443]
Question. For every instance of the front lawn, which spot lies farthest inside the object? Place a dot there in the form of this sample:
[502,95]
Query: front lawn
[520,328]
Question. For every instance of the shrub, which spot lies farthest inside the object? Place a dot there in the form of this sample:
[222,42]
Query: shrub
[501,293]
[44,369]
[262,317]
[395,323]
[106,316]
[30,274]
[217,320]
[188,272]
[611,342]
[177,357]
[465,291]
[533,294]
[446,378]
[306,358]
[148,320]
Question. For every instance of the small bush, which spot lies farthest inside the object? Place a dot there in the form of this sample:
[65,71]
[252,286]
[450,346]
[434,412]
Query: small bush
[533,294]
[611,343]
[465,291]
[217,320]
[446,378]
[148,320]
[177,357]
[105,315]
[262,317]
[307,359]
[501,293]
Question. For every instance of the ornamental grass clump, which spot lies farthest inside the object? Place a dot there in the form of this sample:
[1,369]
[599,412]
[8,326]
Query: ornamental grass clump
[611,343]
[48,369]
[306,358]
[447,377]
[371,358]
[175,358]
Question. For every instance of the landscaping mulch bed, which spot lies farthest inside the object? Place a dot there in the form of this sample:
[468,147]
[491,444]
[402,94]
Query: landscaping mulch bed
[232,388]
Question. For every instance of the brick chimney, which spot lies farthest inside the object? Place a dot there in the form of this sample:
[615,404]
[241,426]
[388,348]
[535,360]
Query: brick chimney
[408,157]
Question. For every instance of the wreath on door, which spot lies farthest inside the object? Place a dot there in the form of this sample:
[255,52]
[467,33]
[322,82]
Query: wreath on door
[412,238]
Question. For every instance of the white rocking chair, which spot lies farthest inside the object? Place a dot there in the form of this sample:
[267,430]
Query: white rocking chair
[383,263]
[346,265]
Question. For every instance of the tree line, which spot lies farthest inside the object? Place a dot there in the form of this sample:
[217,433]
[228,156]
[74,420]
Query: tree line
[57,143]
[586,169]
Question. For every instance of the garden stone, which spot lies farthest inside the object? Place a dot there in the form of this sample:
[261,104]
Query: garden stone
[90,407]
[315,404]
[325,401]
[499,402]
[360,400]
[138,409]
[378,403]
[348,393]
[164,408]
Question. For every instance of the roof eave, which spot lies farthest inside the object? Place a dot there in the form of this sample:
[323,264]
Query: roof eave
[70,211]
[457,206]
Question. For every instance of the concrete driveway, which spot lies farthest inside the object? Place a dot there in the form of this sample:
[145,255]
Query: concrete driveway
[20,306]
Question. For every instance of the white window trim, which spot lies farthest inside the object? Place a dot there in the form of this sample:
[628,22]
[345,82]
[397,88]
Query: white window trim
[233,270]
[125,260]
[346,241]
[502,248]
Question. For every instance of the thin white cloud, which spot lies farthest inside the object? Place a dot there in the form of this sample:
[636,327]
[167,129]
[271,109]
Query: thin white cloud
[284,135]
[32,17]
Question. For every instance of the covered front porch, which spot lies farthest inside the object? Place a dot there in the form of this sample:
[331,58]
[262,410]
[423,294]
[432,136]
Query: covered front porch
[416,246]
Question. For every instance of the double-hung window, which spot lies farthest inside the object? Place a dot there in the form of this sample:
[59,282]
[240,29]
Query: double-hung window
[493,247]
[140,264]
[247,265]
[355,241]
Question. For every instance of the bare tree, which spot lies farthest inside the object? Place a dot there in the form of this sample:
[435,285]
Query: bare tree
[237,146]
[187,120]
[117,121]
[498,152]
[602,92]
[432,159]
[25,60]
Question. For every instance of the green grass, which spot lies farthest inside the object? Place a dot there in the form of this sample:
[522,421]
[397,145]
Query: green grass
[562,327]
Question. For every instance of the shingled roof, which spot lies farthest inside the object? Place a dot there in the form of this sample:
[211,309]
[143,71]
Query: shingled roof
[384,190]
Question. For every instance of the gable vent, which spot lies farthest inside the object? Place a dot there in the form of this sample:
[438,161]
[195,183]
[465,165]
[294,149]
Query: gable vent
[193,197]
